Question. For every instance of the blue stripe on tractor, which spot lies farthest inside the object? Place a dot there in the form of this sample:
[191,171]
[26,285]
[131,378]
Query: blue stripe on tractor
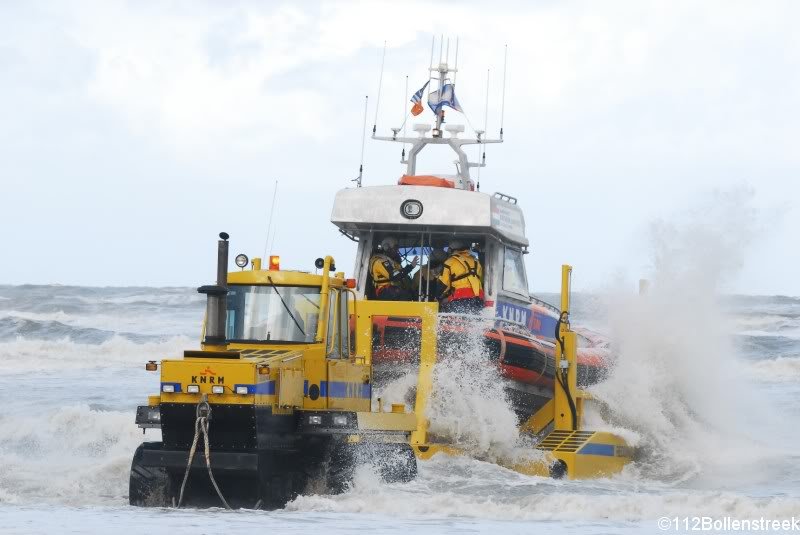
[597,449]
[338,389]
[176,385]
[333,389]
[267,388]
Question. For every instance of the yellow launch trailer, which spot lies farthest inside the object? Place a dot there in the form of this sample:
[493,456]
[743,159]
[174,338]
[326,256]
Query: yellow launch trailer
[570,450]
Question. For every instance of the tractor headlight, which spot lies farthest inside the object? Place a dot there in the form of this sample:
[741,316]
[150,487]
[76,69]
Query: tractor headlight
[242,389]
[340,419]
[315,420]
[193,389]
[241,260]
[148,417]
[217,389]
[170,388]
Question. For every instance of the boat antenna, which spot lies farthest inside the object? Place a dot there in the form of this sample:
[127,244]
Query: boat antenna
[357,179]
[271,213]
[430,68]
[455,67]
[482,146]
[503,101]
[274,233]
[440,115]
[403,115]
[380,84]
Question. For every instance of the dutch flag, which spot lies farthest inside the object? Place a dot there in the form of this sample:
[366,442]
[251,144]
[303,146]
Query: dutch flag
[417,108]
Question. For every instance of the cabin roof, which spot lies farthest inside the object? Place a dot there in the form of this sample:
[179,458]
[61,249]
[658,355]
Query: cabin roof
[441,210]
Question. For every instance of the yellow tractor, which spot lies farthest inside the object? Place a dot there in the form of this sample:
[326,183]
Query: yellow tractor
[275,400]
[279,399]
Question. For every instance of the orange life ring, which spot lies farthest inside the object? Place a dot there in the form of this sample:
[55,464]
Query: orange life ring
[426,180]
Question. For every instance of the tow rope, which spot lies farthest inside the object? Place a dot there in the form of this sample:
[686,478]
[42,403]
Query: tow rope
[201,425]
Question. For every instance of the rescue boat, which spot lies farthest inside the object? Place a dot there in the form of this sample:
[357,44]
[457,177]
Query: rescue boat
[289,360]
[424,212]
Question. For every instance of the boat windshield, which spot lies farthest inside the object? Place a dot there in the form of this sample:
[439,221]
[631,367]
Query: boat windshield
[273,314]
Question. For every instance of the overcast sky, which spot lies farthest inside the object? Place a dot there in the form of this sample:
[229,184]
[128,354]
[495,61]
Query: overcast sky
[131,133]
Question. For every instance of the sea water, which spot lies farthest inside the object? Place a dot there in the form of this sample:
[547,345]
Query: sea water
[707,390]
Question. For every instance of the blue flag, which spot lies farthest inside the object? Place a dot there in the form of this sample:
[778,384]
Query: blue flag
[445,96]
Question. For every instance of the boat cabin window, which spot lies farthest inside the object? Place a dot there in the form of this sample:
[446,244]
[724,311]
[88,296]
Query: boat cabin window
[272,314]
[514,272]
[421,282]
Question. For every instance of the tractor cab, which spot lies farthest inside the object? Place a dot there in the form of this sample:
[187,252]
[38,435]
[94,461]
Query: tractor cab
[274,309]
[278,380]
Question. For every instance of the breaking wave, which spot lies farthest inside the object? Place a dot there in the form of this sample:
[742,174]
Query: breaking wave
[14,328]
[71,455]
[460,487]
[468,406]
[781,369]
[677,381]
[23,356]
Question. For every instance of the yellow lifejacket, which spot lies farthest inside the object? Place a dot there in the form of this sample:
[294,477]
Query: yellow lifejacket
[385,271]
[461,276]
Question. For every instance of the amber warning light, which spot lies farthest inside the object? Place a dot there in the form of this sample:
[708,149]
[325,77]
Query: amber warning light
[274,263]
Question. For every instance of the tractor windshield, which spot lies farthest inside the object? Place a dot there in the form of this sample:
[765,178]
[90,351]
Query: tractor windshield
[272,314]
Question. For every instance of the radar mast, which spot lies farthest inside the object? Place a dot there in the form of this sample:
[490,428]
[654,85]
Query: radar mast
[436,99]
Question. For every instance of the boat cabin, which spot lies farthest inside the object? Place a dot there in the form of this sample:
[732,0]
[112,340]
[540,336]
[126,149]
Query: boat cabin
[427,217]
[425,212]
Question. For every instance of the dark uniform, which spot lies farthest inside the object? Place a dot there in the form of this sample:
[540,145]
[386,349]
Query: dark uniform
[426,281]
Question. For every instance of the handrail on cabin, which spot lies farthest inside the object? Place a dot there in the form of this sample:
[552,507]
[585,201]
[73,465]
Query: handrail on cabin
[545,304]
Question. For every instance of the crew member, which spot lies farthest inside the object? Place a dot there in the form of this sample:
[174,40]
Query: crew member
[389,279]
[426,280]
[461,278]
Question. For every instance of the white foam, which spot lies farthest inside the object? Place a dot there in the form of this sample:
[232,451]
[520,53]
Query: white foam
[58,315]
[768,323]
[676,382]
[23,356]
[781,369]
[399,390]
[132,321]
[71,455]
[468,407]
[465,488]
[167,298]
